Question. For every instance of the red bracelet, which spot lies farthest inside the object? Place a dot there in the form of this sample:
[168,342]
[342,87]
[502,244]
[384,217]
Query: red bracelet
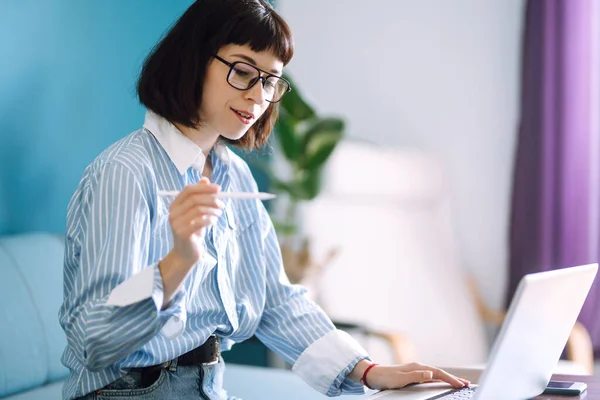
[363,380]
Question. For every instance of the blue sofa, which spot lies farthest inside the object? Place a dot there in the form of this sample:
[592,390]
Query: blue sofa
[32,342]
[30,295]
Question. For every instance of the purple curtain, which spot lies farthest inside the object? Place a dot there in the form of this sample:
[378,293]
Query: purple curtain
[555,221]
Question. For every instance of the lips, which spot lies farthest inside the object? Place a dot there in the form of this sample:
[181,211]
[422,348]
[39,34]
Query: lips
[244,114]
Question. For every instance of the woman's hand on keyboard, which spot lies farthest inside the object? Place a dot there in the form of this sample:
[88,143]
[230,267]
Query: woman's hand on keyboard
[398,376]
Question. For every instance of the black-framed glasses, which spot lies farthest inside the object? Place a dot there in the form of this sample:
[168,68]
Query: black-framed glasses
[243,76]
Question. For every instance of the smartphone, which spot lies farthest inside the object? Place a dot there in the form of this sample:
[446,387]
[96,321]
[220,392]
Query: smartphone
[567,388]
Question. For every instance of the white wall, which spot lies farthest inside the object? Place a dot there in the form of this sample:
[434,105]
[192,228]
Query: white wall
[437,75]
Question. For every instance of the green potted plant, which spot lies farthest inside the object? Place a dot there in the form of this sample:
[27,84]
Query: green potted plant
[306,140]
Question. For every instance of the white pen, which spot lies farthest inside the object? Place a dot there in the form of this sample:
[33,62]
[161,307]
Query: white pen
[227,195]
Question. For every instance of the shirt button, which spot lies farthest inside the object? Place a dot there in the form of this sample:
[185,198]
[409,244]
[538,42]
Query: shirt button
[173,328]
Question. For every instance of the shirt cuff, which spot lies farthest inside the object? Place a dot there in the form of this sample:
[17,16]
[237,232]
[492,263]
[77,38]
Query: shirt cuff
[148,284]
[175,314]
[345,385]
[135,289]
[324,362]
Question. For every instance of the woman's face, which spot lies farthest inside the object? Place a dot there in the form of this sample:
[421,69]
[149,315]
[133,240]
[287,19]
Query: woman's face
[222,103]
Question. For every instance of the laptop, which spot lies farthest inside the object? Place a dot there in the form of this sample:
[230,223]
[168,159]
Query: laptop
[539,321]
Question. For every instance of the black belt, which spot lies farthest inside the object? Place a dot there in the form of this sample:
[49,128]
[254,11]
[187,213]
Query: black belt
[206,354]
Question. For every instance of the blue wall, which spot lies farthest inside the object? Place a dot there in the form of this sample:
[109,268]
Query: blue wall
[67,90]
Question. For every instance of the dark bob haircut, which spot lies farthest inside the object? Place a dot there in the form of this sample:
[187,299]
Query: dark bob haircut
[172,78]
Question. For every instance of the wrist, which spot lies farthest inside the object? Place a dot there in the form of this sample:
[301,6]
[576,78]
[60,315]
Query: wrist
[359,370]
[175,264]
[364,378]
[173,269]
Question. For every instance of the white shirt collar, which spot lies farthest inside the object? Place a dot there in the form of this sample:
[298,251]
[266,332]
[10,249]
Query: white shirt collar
[181,150]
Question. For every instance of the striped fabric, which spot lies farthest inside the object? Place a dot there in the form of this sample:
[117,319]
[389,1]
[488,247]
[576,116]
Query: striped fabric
[117,231]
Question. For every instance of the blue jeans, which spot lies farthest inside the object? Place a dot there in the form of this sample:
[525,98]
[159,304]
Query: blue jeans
[175,382]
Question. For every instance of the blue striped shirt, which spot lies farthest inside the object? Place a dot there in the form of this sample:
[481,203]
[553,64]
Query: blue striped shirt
[117,231]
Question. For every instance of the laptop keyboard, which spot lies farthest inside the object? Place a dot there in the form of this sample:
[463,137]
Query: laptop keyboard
[461,394]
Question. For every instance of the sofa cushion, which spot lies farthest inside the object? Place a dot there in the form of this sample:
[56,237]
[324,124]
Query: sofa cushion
[31,296]
[50,391]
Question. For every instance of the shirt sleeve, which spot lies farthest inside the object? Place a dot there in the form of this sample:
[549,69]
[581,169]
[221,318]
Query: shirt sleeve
[296,328]
[111,247]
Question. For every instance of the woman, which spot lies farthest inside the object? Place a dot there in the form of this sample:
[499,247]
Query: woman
[156,286]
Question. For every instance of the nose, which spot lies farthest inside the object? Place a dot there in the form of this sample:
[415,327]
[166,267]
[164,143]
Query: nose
[256,93]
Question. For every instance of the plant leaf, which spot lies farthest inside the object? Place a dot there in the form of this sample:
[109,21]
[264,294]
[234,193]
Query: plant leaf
[311,183]
[287,136]
[294,188]
[321,139]
[285,228]
[295,105]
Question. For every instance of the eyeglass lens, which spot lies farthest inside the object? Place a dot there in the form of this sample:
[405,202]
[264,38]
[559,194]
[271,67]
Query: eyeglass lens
[243,76]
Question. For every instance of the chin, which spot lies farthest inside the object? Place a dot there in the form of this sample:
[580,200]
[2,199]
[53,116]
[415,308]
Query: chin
[234,135]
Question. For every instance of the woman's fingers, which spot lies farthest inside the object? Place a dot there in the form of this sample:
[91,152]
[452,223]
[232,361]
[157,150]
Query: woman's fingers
[194,201]
[197,226]
[194,220]
[383,377]
[183,227]
[451,379]
[436,374]
[420,376]
[199,211]
[202,187]
[399,376]
[195,208]
[402,379]
[178,216]
[465,381]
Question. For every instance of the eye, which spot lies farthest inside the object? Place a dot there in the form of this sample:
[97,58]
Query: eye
[242,72]
[245,71]
[272,82]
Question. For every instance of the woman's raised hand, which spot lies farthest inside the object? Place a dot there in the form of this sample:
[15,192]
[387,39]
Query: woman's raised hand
[192,211]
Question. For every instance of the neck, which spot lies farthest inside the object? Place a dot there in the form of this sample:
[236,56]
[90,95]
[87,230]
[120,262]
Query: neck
[202,138]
